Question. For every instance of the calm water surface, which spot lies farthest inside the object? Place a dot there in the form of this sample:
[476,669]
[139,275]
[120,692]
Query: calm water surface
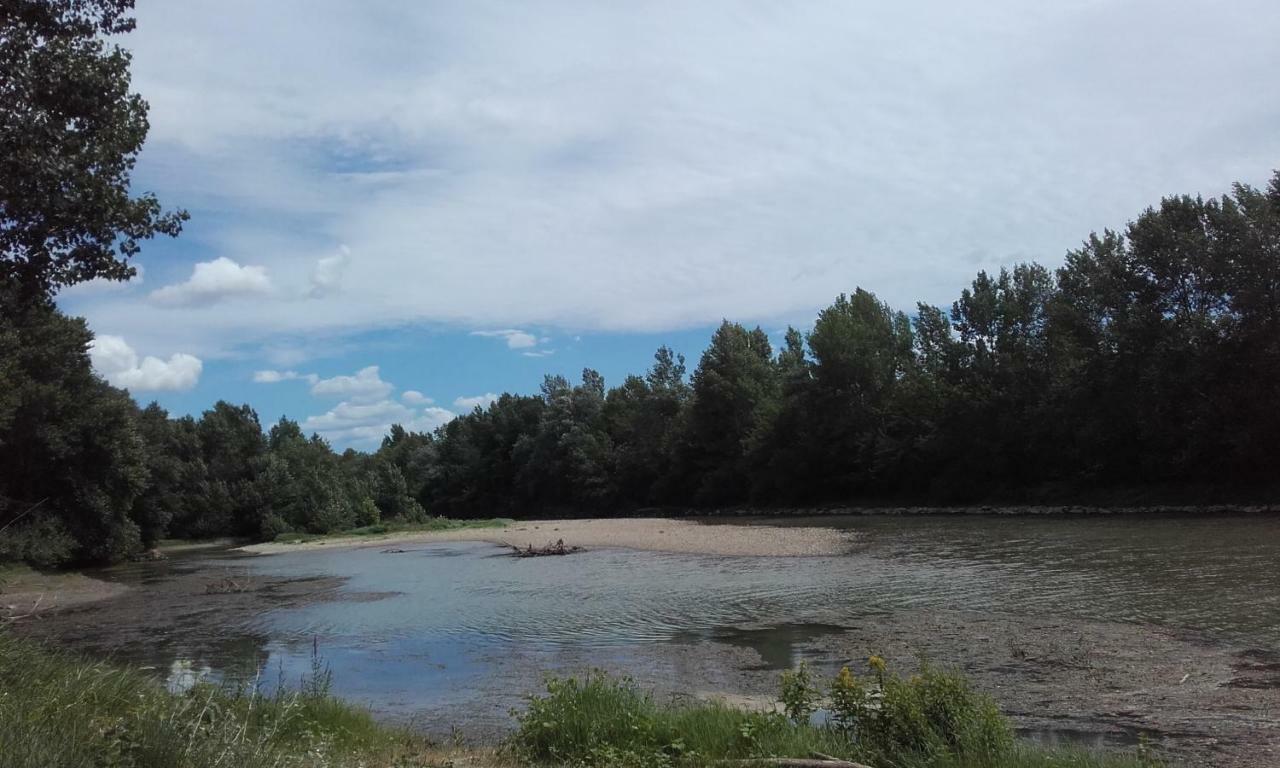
[440,628]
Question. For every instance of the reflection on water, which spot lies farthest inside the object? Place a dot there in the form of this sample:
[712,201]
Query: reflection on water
[460,628]
[781,646]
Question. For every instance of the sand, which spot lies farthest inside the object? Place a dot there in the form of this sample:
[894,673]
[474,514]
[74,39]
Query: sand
[26,593]
[650,534]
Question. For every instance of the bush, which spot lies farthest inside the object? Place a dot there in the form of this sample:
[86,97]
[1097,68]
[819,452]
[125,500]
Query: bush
[597,721]
[44,543]
[930,720]
[932,713]
[799,695]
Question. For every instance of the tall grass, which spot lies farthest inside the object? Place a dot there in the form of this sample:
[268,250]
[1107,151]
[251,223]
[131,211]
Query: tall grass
[57,709]
[931,720]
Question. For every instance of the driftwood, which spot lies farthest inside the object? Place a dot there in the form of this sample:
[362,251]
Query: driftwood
[558,548]
[792,762]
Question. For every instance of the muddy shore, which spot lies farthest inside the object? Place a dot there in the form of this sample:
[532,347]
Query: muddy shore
[1101,683]
[1202,698]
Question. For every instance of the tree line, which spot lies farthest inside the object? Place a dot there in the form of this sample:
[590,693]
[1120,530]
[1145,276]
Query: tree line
[1151,358]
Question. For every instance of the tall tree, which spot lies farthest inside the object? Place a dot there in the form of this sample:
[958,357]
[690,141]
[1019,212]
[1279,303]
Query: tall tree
[70,133]
[735,388]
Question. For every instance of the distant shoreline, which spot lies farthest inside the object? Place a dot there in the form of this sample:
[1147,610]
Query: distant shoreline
[1007,510]
[653,534]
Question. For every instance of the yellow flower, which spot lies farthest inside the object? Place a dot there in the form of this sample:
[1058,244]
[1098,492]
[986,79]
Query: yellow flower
[876,663]
[845,678]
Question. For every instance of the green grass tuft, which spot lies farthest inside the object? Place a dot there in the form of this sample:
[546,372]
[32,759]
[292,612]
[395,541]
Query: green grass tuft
[58,709]
[933,720]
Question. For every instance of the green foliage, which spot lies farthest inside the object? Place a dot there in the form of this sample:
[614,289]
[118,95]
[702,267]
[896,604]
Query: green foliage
[799,695]
[931,721]
[60,710]
[606,721]
[72,461]
[70,132]
[933,713]
[1151,359]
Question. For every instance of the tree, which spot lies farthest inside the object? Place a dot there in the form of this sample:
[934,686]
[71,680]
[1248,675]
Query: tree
[862,349]
[642,417]
[232,443]
[734,389]
[70,133]
[72,462]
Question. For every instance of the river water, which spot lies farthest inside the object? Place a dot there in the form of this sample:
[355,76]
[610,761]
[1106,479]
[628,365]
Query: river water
[456,633]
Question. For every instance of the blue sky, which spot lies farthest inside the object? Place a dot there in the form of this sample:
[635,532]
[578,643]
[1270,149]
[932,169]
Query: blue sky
[469,195]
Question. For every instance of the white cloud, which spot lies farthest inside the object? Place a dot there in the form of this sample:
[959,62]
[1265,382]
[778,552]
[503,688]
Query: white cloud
[327,275]
[365,424]
[213,281]
[650,166]
[119,364]
[414,397]
[367,385]
[475,401]
[539,353]
[275,377]
[516,338]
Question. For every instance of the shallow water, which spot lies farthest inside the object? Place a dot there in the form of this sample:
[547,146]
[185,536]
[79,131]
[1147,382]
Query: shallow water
[456,632]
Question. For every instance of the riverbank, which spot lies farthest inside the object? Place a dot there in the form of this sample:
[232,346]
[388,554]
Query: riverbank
[26,593]
[62,709]
[648,534]
[998,510]
[1095,631]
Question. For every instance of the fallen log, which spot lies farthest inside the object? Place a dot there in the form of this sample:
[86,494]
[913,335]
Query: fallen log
[558,548]
[792,762]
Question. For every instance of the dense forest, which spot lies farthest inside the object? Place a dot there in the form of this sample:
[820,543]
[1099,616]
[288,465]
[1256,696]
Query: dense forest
[1151,358]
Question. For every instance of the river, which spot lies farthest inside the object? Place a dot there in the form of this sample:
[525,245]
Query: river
[1085,628]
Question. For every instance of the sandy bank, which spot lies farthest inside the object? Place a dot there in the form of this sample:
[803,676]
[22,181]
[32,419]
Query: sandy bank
[25,593]
[652,534]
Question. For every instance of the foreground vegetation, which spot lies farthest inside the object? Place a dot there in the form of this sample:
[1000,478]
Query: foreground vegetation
[930,720]
[58,709]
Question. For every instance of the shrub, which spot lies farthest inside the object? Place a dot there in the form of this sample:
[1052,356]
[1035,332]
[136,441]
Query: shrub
[597,721]
[799,695]
[933,713]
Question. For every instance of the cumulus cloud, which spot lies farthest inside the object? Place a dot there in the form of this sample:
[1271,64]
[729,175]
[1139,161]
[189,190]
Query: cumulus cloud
[364,424]
[275,377]
[214,281]
[730,160]
[327,275]
[366,385]
[414,397]
[119,364]
[475,401]
[515,338]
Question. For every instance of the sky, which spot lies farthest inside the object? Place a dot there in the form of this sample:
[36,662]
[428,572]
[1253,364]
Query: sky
[401,208]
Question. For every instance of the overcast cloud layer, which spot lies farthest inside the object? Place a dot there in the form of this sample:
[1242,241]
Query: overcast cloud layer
[585,166]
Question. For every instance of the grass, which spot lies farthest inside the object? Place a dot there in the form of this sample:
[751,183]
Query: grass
[932,720]
[389,528]
[57,709]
